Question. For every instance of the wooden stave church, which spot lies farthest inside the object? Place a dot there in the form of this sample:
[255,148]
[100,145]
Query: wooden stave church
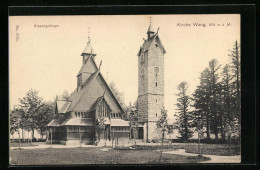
[77,119]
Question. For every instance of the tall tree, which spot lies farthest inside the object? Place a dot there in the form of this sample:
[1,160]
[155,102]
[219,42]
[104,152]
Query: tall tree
[133,117]
[119,95]
[14,121]
[184,117]
[213,93]
[201,100]
[44,116]
[227,112]
[30,105]
[236,75]
[100,126]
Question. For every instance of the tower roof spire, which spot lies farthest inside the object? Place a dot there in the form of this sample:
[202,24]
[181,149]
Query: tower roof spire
[150,29]
[88,49]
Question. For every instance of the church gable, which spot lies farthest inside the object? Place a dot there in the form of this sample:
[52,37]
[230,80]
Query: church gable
[109,96]
[89,67]
[101,107]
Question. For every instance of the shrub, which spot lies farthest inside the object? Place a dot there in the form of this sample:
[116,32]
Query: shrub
[235,140]
[177,141]
[41,140]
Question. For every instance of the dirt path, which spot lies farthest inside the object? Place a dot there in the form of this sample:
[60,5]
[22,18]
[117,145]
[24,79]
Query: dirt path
[214,158]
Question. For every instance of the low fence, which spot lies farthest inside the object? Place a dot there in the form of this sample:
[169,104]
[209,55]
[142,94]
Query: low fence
[123,143]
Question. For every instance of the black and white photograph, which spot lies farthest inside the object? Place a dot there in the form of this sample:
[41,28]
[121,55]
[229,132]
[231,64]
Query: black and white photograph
[124,89]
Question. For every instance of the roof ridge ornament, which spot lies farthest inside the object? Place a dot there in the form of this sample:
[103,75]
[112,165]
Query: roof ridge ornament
[89,39]
[100,65]
[157,30]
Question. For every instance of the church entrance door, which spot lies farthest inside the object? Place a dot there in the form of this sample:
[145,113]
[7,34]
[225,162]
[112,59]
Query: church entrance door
[140,132]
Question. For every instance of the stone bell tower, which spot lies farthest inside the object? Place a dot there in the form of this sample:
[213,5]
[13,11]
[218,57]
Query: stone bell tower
[150,83]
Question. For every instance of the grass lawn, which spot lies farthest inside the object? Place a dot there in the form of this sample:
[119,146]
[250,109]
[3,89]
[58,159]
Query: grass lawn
[94,156]
[211,149]
[208,149]
[22,144]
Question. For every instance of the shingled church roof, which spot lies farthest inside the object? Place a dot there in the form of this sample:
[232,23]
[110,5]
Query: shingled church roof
[88,86]
[77,95]
[54,122]
[119,122]
[79,121]
[86,97]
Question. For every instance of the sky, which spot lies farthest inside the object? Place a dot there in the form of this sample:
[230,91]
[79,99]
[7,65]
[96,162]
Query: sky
[48,59]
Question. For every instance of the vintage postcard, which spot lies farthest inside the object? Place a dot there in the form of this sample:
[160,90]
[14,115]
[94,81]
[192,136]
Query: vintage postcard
[124,89]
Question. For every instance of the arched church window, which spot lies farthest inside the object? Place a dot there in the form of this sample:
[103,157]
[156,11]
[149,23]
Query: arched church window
[156,84]
[156,71]
[156,114]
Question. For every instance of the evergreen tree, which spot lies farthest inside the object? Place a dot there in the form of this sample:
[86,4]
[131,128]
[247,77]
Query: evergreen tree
[236,76]
[201,100]
[184,117]
[228,113]
[214,97]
